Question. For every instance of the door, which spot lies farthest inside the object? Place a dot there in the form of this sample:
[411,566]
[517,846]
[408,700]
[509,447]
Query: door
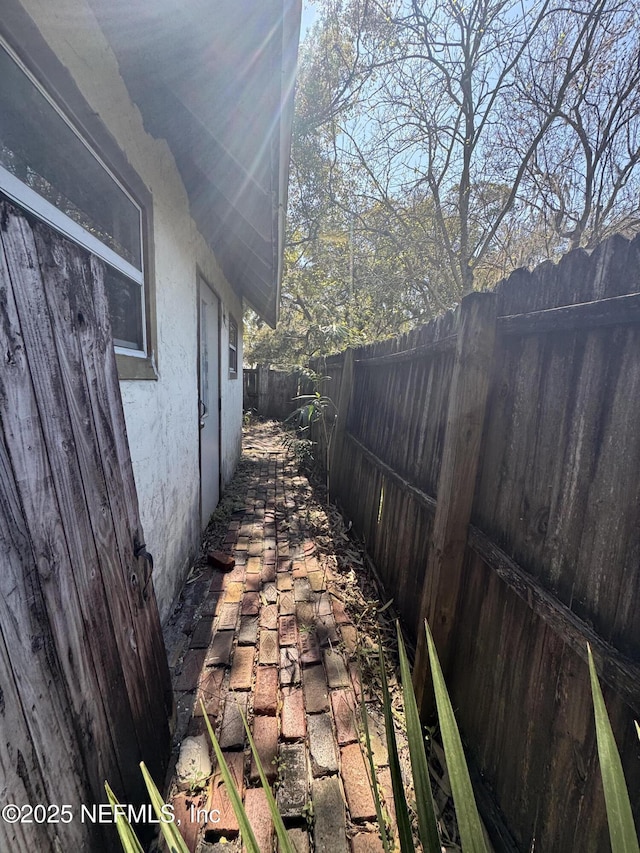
[85,684]
[209,402]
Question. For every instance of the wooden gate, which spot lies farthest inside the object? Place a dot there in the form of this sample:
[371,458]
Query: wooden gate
[85,691]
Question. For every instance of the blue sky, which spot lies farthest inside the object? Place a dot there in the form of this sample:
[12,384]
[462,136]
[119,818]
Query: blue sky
[309,14]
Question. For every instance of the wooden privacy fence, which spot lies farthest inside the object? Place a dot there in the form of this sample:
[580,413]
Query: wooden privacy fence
[85,692]
[270,393]
[491,462]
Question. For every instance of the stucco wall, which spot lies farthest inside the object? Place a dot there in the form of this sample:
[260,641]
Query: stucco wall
[161,416]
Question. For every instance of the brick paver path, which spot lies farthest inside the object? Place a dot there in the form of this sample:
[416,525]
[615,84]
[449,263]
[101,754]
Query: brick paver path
[272,639]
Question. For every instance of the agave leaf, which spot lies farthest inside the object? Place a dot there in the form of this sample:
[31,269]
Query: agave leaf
[284,844]
[372,772]
[128,839]
[169,829]
[620,818]
[424,799]
[248,838]
[403,821]
[469,823]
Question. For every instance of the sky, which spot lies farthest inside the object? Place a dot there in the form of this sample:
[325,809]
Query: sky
[309,14]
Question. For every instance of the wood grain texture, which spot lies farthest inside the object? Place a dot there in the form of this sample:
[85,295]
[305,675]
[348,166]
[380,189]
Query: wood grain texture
[554,543]
[93,699]
[456,483]
[83,625]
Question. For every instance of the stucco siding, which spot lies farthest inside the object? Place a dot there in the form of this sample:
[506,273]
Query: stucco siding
[161,416]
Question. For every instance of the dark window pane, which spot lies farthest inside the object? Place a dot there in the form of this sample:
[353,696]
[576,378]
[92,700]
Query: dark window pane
[41,150]
[233,346]
[125,306]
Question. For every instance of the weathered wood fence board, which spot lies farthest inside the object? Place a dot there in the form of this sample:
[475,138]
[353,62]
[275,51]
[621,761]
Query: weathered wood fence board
[271,393]
[78,619]
[553,546]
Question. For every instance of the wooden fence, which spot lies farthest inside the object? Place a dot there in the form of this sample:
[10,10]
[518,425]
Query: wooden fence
[270,392]
[85,692]
[491,462]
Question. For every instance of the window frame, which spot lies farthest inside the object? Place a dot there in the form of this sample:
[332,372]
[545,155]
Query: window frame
[233,348]
[25,42]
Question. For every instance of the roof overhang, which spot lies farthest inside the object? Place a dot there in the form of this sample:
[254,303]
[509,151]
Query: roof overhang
[215,78]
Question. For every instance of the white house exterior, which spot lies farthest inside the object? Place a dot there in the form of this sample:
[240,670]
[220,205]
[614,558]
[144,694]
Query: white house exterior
[202,157]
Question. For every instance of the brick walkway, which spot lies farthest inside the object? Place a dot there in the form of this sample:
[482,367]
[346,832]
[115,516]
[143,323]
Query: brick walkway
[272,638]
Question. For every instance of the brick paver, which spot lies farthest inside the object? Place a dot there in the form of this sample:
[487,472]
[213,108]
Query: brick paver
[255,803]
[242,668]
[186,807]
[289,666]
[269,639]
[219,651]
[329,832]
[268,650]
[219,803]
[232,732]
[191,671]
[250,604]
[265,696]
[202,634]
[366,842]
[210,692]
[356,783]
[294,725]
[248,634]
[337,675]
[265,737]
[322,745]
[316,692]
[345,715]
[287,630]
[293,778]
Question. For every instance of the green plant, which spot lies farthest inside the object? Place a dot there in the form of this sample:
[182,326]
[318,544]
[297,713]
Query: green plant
[621,826]
[319,410]
[622,831]
[620,819]
[170,831]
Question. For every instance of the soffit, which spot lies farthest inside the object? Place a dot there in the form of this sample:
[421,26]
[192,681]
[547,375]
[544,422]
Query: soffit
[215,79]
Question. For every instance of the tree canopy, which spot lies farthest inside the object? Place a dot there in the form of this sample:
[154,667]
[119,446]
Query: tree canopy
[438,145]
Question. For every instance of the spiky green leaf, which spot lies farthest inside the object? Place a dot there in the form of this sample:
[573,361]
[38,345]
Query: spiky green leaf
[403,821]
[424,799]
[284,844]
[130,843]
[622,831]
[169,830]
[469,823]
[248,838]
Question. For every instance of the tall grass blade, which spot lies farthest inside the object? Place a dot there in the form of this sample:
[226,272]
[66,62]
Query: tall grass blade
[130,843]
[284,844]
[405,836]
[469,823]
[424,799]
[248,838]
[169,829]
[622,831]
[637,729]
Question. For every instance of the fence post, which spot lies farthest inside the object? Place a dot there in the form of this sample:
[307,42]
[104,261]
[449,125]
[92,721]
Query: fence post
[342,405]
[456,484]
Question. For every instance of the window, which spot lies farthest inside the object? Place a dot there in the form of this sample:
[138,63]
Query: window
[47,168]
[233,348]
